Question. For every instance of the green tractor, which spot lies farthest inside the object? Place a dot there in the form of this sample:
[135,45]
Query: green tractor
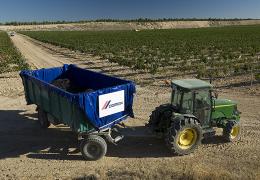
[193,113]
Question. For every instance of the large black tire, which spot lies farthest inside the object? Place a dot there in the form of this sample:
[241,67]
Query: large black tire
[161,112]
[43,118]
[93,147]
[232,131]
[183,136]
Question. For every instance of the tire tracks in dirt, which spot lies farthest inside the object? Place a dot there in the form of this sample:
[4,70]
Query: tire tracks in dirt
[36,56]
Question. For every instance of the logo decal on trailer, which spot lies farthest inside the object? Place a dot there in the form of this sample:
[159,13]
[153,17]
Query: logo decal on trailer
[111,103]
[106,104]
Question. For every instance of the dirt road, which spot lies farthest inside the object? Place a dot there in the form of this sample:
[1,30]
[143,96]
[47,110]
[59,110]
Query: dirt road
[28,152]
[36,56]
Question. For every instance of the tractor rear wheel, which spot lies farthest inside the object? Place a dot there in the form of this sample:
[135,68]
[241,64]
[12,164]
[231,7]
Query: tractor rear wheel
[183,136]
[158,114]
[232,131]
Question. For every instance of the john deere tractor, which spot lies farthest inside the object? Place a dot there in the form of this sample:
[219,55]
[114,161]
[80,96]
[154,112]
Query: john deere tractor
[193,113]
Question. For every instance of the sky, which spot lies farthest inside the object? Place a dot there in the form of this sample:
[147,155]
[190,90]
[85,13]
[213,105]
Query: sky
[73,10]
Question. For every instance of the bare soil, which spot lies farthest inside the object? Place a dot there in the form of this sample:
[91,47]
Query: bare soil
[129,25]
[28,152]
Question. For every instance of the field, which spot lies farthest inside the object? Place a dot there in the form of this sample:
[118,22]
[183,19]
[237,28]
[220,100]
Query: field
[204,51]
[10,58]
[29,152]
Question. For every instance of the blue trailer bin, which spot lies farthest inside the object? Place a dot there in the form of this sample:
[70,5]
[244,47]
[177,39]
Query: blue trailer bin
[91,114]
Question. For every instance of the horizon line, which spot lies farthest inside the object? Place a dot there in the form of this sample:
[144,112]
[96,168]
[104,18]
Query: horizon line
[121,20]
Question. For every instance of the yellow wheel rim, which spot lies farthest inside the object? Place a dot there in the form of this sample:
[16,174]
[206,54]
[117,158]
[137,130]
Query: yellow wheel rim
[187,138]
[234,132]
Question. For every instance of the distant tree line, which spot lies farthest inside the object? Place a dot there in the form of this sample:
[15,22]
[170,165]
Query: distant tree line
[17,23]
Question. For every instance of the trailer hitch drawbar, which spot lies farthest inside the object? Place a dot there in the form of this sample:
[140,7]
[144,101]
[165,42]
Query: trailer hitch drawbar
[106,133]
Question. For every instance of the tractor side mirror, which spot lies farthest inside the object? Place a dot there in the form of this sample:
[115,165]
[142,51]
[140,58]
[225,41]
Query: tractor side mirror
[214,105]
[215,94]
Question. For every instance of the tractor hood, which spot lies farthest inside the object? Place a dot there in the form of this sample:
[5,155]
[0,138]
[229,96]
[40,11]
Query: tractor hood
[224,109]
[224,102]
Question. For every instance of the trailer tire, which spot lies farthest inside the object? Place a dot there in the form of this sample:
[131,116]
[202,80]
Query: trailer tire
[93,147]
[43,118]
[183,136]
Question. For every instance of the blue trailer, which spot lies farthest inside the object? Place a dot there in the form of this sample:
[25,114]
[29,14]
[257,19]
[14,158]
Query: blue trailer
[92,114]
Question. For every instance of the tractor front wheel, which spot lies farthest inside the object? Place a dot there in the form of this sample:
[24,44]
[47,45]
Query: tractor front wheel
[232,131]
[183,136]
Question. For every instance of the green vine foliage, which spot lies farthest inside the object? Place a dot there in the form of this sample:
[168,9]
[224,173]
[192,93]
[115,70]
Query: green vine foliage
[10,57]
[227,50]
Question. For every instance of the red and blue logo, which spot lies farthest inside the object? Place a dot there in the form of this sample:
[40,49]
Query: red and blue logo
[109,105]
[106,104]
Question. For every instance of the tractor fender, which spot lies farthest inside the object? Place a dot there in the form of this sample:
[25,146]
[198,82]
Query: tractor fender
[183,116]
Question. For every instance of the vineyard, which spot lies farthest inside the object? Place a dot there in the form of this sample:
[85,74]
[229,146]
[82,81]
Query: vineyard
[204,52]
[10,58]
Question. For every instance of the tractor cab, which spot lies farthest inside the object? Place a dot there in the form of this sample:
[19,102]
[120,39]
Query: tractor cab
[193,96]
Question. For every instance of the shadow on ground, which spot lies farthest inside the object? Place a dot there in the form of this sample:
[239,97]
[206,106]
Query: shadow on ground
[20,134]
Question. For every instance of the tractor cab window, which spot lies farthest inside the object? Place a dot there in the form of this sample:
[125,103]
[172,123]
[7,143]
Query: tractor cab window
[187,102]
[182,100]
[176,98]
[202,105]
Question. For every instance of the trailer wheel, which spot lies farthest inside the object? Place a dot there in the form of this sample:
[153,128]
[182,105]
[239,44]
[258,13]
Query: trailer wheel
[43,118]
[232,131]
[183,136]
[93,147]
